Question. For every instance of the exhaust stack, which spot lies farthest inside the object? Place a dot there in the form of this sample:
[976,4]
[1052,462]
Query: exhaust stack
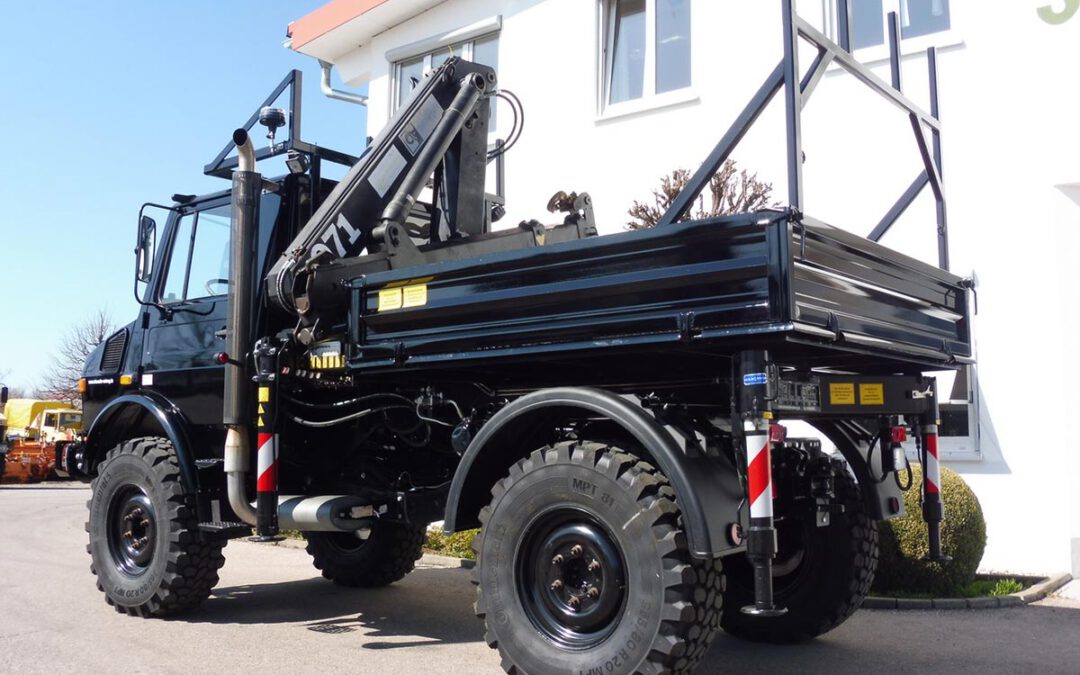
[246,188]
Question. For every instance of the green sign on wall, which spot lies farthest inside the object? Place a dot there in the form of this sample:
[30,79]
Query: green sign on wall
[1057,17]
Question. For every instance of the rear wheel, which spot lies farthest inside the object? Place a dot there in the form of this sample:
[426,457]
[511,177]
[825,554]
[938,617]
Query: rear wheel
[821,574]
[583,567]
[387,555]
[146,551]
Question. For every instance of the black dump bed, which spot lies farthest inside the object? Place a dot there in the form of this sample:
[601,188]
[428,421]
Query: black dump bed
[681,295]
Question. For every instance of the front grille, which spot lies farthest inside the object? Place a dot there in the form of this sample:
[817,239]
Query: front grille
[113,356]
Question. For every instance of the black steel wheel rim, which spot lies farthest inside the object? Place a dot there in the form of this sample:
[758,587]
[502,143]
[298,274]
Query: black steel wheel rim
[571,578]
[132,532]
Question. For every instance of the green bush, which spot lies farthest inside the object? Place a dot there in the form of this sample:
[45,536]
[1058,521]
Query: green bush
[904,542]
[458,544]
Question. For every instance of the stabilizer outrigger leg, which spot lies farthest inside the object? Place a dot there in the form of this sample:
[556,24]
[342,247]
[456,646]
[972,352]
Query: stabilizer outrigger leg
[932,507]
[266,481]
[755,385]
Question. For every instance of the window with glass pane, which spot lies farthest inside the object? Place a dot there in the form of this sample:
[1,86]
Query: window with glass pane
[209,273]
[628,51]
[176,277]
[672,45]
[917,18]
[922,17]
[867,23]
[409,74]
[199,263]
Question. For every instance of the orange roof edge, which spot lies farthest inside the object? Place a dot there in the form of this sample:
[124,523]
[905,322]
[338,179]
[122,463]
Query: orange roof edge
[326,18]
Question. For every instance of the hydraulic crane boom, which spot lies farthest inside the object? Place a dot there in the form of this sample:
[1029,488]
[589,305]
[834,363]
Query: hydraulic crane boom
[442,130]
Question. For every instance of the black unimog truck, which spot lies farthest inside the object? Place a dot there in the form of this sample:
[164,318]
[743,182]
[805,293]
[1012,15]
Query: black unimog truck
[358,359]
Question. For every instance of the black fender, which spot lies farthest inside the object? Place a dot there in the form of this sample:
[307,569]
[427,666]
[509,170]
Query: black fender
[103,432]
[883,499]
[708,489]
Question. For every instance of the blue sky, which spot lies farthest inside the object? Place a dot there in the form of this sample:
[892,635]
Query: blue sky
[107,105]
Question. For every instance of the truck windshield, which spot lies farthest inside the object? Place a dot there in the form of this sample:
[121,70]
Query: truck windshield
[199,264]
[72,420]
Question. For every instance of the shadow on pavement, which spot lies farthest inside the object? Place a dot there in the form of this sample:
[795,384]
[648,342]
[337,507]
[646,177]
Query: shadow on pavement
[431,604]
[434,606]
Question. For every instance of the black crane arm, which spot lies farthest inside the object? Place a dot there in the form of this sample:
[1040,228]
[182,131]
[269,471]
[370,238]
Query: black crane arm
[444,122]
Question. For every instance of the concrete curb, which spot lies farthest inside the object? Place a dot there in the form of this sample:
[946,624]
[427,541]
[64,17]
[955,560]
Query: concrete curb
[1027,596]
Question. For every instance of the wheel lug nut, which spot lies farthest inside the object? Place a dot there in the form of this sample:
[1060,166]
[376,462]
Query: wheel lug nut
[576,550]
[556,585]
[593,592]
[594,566]
[557,560]
[574,602]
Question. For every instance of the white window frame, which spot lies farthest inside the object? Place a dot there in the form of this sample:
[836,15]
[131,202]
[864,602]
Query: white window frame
[913,45]
[649,99]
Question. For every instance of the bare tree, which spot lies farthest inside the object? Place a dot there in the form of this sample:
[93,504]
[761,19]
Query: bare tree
[730,190]
[61,379]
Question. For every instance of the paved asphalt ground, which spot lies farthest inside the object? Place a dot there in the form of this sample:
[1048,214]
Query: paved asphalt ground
[272,613]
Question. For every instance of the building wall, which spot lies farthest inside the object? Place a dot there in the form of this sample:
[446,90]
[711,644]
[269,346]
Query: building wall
[1012,167]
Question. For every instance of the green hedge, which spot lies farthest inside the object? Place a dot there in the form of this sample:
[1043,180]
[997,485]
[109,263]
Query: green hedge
[458,544]
[904,542]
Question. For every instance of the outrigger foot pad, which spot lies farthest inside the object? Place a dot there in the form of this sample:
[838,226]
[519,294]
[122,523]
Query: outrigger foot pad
[942,559]
[266,538]
[754,610]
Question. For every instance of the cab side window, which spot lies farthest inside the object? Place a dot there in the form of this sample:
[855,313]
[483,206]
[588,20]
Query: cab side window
[199,262]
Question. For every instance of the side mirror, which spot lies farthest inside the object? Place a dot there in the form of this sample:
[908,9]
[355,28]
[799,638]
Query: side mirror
[3,395]
[144,248]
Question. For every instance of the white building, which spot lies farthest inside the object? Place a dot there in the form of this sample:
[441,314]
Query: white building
[618,93]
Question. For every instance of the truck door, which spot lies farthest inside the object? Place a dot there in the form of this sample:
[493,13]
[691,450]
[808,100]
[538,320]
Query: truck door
[178,352]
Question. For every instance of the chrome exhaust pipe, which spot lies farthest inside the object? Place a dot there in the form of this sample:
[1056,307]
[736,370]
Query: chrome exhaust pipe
[237,456]
[326,513]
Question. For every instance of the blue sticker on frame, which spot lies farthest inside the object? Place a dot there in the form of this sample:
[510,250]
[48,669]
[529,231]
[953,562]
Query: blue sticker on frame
[752,379]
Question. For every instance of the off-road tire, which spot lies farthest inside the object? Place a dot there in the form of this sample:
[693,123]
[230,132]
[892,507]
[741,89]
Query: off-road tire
[829,584]
[670,602]
[387,555]
[182,566]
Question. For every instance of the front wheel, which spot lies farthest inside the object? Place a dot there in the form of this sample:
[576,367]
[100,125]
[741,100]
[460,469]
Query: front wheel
[583,566]
[145,547]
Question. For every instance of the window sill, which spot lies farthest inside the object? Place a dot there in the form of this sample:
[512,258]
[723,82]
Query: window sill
[647,104]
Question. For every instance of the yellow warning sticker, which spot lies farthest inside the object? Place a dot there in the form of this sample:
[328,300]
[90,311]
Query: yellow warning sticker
[261,409]
[389,298]
[414,296]
[264,394]
[842,393]
[260,422]
[872,394]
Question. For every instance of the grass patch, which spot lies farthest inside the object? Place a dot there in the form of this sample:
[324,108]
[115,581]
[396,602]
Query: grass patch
[292,534]
[983,587]
[457,545]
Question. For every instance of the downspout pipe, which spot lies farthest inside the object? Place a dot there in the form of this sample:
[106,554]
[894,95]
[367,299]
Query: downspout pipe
[246,189]
[329,91]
